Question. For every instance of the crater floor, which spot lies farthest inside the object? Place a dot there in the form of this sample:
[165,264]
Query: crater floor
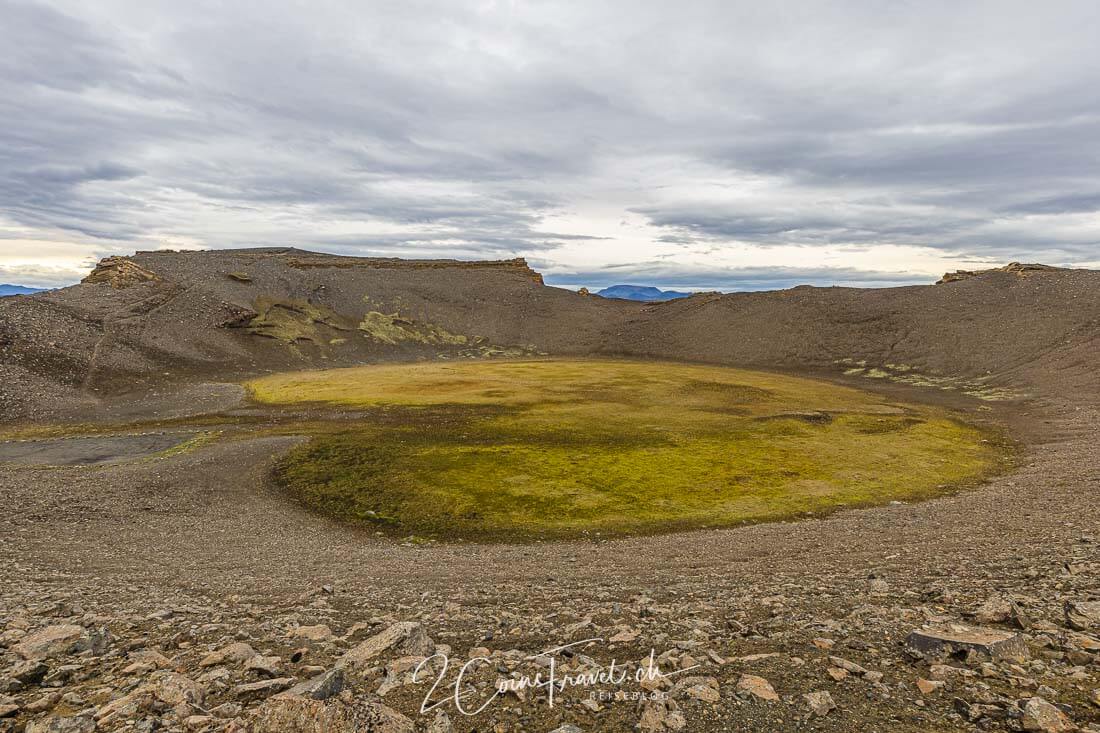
[521,449]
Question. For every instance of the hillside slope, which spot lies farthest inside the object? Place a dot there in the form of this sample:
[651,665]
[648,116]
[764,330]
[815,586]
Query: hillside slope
[225,315]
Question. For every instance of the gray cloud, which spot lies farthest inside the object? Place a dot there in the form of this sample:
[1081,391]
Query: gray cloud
[469,129]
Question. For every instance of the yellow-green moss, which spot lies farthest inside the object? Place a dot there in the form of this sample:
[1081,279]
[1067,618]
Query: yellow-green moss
[292,321]
[566,447]
[905,374]
[391,328]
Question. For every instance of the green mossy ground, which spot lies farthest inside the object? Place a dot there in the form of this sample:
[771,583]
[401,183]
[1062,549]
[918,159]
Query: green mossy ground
[524,449]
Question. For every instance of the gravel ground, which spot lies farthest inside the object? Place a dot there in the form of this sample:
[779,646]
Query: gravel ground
[129,591]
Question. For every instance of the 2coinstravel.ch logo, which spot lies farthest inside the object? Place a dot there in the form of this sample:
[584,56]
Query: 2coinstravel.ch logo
[614,681]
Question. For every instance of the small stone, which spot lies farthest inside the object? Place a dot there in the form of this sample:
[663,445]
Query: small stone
[236,652]
[73,700]
[822,643]
[928,687]
[754,657]
[879,586]
[567,728]
[263,688]
[704,689]
[945,671]
[226,710]
[441,723]
[847,666]
[266,666]
[151,656]
[661,715]
[8,710]
[313,633]
[837,673]
[197,722]
[624,635]
[757,687]
[820,703]
[138,668]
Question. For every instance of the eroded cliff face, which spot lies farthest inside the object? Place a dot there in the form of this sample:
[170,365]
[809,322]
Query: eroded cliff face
[1014,268]
[228,314]
[138,320]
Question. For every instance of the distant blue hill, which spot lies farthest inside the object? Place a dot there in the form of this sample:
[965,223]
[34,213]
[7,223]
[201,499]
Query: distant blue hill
[17,290]
[641,292]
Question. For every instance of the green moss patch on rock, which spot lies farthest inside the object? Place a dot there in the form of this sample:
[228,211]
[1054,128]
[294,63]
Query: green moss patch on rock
[292,321]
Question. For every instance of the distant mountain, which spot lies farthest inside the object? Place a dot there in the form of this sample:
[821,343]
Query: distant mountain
[17,290]
[641,292]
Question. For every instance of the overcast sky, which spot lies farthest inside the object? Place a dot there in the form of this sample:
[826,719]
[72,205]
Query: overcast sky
[717,145]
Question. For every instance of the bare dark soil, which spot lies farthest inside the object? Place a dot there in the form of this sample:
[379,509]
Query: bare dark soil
[87,451]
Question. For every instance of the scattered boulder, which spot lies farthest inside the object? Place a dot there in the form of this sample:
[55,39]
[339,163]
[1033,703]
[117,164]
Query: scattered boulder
[1083,615]
[1001,609]
[61,639]
[176,690]
[957,639]
[1040,715]
[407,638]
[322,687]
[28,672]
[121,709]
[704,689]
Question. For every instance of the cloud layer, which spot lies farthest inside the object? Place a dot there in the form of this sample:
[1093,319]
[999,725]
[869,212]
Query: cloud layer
[710,144]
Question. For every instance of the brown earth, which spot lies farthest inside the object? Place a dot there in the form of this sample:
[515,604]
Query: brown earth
[183,553]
